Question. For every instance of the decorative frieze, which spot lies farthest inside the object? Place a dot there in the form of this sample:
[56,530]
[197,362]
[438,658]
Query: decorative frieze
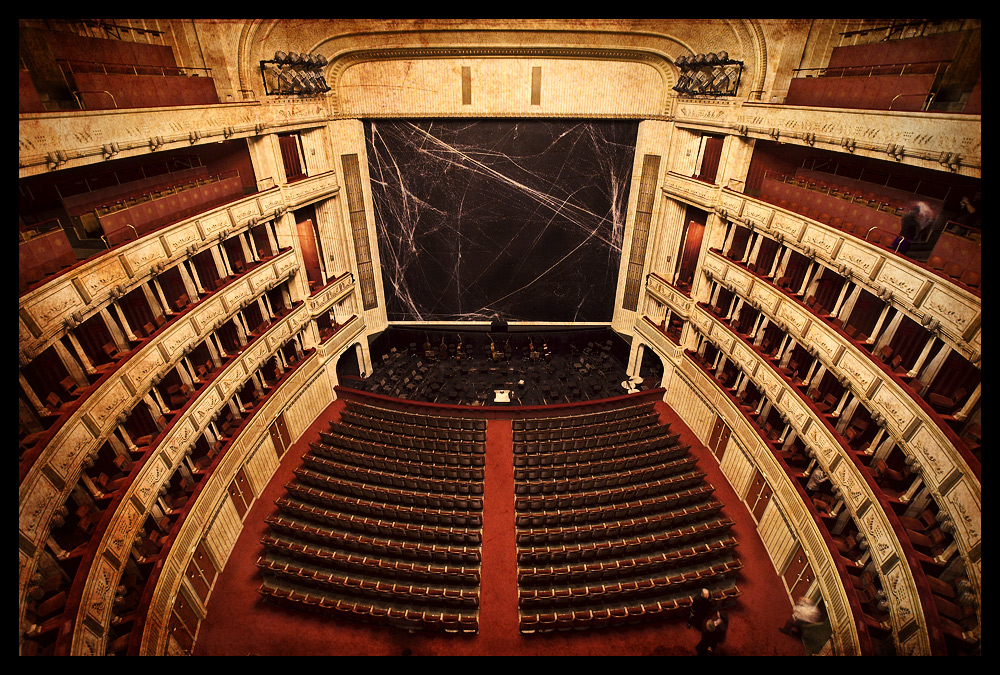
[730,203]
[904,281]
[899,412]
[37,501]
[822,241]
[174,341]
[213,223]
[966,510]
[112,399]
[146,487]
[936,465]
[758,213]
[180,238]
[955,312]
[789,227]
[43,314]
[859,258]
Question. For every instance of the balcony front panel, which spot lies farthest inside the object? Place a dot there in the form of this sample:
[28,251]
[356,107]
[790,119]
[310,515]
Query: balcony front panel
[889,556]
[914,289]
[80,294]
[77,138]
[942,466]
[59,465]
[197,525]
[917,139]
[95,609]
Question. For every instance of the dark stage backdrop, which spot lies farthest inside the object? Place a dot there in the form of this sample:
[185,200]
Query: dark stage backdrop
[511,218]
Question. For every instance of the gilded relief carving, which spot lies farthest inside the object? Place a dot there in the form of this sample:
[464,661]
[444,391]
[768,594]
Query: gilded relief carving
[901,280]
[106,404]
[895,584]
[69,449]
[789,227]
[97,280]
[966,513]
[887,401]
[36,510]
[181,335]
[934,463]
[123,531]
[731,202]
[857,257]
[856,370]
[148,485]
[821,240]
[51,308]
[948,307]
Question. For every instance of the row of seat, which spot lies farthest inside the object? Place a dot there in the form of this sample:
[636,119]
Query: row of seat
[550,441]
[374,460]
[360,563]
[594,550]
[451,456]
[378,526]
[409,618]
[378,590]
[703,553]
[587,430]
[409,429]
[611,495]
[350,541]
[532,467]
[582,419]
[619,528]
[417,419]
[618,449]
[531,510]
[391,478]
[383,509]
[465,441]
[620,592]
[539,622]
[627,477]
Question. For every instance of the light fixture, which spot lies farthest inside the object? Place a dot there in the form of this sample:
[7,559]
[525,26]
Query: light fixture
[294,73]
[712,74]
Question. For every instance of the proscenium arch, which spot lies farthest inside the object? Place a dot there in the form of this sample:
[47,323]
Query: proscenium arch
[446,39]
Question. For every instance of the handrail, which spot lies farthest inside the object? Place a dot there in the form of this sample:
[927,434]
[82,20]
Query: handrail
[75,66]
[77,92]
[870,68]
[930,99]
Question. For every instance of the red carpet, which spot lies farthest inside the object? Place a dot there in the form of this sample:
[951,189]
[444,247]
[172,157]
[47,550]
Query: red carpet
[239,623]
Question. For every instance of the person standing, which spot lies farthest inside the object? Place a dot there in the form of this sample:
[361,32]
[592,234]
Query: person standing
[701,605]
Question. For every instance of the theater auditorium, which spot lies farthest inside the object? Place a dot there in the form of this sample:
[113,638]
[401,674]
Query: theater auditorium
[499,337]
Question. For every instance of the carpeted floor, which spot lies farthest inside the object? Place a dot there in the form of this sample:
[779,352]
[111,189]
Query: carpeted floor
[240,623]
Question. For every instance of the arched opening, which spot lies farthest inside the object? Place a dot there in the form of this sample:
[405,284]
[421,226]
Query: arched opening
[349,366]
[650,368]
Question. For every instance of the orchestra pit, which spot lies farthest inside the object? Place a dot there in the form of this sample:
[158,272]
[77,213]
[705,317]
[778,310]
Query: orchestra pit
[499,337]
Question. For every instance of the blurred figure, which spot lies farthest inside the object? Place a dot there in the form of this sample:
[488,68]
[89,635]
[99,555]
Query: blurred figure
[713,634]
[805,613]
